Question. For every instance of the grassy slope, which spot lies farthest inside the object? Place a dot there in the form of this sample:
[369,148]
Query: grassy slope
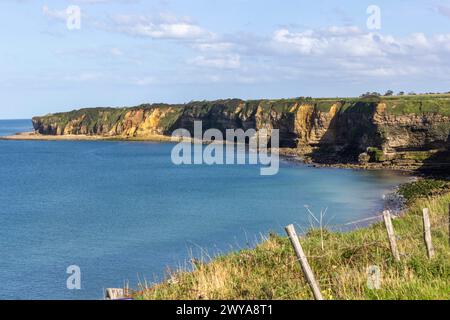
[270,271]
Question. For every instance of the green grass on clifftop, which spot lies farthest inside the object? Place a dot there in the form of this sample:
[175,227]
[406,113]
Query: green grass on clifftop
[419,104]
[398,105]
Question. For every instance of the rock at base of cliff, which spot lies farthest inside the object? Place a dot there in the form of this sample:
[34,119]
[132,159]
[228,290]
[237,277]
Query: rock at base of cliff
[364,158]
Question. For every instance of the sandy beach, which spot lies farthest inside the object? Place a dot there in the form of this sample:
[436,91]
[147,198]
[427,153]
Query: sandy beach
[82,137]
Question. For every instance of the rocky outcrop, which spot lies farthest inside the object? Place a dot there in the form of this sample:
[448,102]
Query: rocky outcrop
[400,131]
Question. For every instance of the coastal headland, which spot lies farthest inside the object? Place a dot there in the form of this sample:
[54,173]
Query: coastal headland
[400,132]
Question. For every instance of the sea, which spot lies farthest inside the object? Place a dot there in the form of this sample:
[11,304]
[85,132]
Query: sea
[77,217]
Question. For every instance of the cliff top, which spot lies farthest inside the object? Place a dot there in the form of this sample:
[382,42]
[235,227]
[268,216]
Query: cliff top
[412,104]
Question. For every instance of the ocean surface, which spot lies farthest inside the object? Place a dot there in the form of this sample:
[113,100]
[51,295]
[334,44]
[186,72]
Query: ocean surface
[123,213]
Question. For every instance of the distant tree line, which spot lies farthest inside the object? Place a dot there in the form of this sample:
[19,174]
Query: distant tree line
[390,93]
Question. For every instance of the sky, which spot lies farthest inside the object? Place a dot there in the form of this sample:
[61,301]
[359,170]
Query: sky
[128,52]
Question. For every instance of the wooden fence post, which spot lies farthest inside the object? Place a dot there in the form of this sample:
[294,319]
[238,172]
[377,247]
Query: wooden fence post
[309,275]
[427,233]
[391,234]
[114,294]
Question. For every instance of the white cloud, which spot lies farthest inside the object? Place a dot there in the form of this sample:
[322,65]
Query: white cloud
[220,62]
[143,81]
[214,46]
[83,77]
[348,41]
[333,52]
[116,52]
[54,14]
[161,27]
[349,50]
[104,1]
[92,52]
[443,10]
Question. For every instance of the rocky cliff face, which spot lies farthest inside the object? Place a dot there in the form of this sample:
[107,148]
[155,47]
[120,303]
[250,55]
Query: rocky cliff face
[406,131]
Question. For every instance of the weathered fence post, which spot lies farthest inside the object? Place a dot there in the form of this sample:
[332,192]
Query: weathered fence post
[114,293]
[391,234]
[427,233]
[309,275]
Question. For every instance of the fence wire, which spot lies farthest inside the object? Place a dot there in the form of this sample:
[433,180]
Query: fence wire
[401,236]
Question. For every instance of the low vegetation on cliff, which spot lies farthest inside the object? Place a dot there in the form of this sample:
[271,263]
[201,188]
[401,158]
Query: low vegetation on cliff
[406,132]
[103,120]
[271,271]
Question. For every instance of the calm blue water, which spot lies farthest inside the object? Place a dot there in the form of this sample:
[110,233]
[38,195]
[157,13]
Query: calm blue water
[122,211]
[10,127]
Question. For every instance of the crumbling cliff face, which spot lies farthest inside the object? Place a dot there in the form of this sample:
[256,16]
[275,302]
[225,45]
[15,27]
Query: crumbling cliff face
[406,131]
[126,122]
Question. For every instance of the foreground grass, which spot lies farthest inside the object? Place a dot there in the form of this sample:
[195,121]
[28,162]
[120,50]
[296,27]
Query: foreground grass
[270,271]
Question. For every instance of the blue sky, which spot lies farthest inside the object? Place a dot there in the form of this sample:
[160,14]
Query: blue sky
[134,51]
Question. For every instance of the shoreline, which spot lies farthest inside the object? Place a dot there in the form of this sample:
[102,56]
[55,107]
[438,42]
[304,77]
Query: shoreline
[289,154]
[31,136]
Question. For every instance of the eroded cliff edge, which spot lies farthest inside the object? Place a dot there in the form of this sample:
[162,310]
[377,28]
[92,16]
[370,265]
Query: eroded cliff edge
[405,132]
